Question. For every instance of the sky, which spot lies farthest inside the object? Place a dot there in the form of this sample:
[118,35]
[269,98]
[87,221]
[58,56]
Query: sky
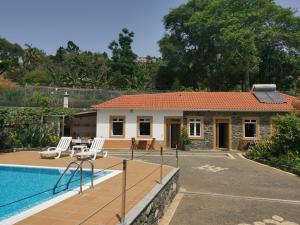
[91,24]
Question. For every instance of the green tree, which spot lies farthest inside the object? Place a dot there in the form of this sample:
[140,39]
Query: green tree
[10,55]
[37,77]
[33,58]
[72,67]
[224,44]
[145,73]
[72,47]
[123,60]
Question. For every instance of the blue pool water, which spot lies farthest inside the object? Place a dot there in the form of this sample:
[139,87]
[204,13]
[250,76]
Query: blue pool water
[17,183]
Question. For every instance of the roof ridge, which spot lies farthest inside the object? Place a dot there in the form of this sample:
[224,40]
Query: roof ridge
[181,92]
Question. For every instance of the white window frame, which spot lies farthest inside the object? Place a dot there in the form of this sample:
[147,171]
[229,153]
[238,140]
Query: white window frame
[195,121]
[117,119]
[254,121]
[144,119]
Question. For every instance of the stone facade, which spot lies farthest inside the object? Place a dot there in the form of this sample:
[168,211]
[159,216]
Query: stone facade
[208,141]
[157,207]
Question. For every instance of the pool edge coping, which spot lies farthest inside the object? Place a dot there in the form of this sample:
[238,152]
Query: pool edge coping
[51,202]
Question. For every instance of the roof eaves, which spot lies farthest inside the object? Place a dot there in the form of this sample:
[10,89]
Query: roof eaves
[201,110]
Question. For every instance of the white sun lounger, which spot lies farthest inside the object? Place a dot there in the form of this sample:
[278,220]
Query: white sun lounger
[55,152]
[96,147]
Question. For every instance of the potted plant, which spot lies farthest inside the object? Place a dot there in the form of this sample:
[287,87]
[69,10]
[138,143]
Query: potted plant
[186,141]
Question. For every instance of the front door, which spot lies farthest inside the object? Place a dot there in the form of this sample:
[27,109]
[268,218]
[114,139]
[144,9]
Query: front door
[173,132]
[222,134]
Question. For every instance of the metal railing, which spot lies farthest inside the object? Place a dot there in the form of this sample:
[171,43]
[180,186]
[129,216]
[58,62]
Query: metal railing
[125,189]
[92,171]
[79,166]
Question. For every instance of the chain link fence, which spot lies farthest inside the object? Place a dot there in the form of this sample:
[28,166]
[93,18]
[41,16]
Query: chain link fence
[31,96]
[37,96]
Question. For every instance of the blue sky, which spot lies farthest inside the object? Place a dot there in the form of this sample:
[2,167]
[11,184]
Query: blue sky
[91,24]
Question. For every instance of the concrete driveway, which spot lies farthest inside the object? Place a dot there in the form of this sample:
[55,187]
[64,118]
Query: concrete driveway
[217,189]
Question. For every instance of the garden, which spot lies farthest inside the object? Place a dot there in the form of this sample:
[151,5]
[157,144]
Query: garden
[282,150]
[26,127]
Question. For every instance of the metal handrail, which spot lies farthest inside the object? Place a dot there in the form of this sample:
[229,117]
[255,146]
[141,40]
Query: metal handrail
[92,169]
[79,165]
[70,179]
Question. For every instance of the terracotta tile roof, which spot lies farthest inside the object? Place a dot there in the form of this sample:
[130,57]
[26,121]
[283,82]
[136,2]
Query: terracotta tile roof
[231,101]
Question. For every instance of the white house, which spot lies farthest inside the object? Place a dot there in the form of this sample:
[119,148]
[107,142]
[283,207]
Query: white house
[214,120]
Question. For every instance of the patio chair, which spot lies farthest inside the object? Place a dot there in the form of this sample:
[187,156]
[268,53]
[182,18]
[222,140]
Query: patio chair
[55,152]
[96,147]
[151,146]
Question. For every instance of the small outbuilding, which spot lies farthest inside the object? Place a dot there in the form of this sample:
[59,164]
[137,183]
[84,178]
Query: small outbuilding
[81,125]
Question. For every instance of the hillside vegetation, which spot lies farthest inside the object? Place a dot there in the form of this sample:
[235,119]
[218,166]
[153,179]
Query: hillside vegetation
[212,45]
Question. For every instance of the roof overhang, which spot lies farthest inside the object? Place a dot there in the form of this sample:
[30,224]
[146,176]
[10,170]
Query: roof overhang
[86,113]
[201,110]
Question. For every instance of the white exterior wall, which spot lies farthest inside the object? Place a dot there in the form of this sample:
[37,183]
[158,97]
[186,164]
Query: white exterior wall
[131,121]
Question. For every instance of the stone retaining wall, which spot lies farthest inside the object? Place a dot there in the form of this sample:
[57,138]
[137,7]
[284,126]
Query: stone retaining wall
[154,205]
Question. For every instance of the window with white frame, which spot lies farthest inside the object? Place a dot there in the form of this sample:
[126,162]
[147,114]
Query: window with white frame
[195,127]
[144,124]
[117,124]
[250,126]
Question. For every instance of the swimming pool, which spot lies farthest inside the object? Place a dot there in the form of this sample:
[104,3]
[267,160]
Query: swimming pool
[23,188]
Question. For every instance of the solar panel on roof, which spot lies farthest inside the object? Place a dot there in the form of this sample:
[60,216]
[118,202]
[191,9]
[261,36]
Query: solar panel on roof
[269,97]
[262,97]
[276,97]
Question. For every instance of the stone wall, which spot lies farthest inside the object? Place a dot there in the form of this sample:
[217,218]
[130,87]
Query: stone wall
[156,207]
[236,126]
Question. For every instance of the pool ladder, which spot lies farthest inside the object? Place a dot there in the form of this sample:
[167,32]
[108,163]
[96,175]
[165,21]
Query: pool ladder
[79,166]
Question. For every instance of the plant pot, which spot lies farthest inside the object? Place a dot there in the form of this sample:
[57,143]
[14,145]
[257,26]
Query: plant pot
[186,147]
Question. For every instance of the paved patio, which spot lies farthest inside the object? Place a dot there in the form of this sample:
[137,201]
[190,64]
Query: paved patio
[100,206]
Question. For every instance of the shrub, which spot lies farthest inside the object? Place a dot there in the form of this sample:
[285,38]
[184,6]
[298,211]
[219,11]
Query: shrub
[12,141]
[185,137]
[287,136]
[38,99]
[263,150]
[52,139]
[22,127]
[283,149]
[37,77]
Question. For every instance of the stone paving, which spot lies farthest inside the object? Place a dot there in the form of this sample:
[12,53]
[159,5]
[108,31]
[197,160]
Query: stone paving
[210,168]
[276,220]
[222,190]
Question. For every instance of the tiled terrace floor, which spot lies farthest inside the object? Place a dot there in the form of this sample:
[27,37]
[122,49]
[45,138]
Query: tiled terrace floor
[93,206]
